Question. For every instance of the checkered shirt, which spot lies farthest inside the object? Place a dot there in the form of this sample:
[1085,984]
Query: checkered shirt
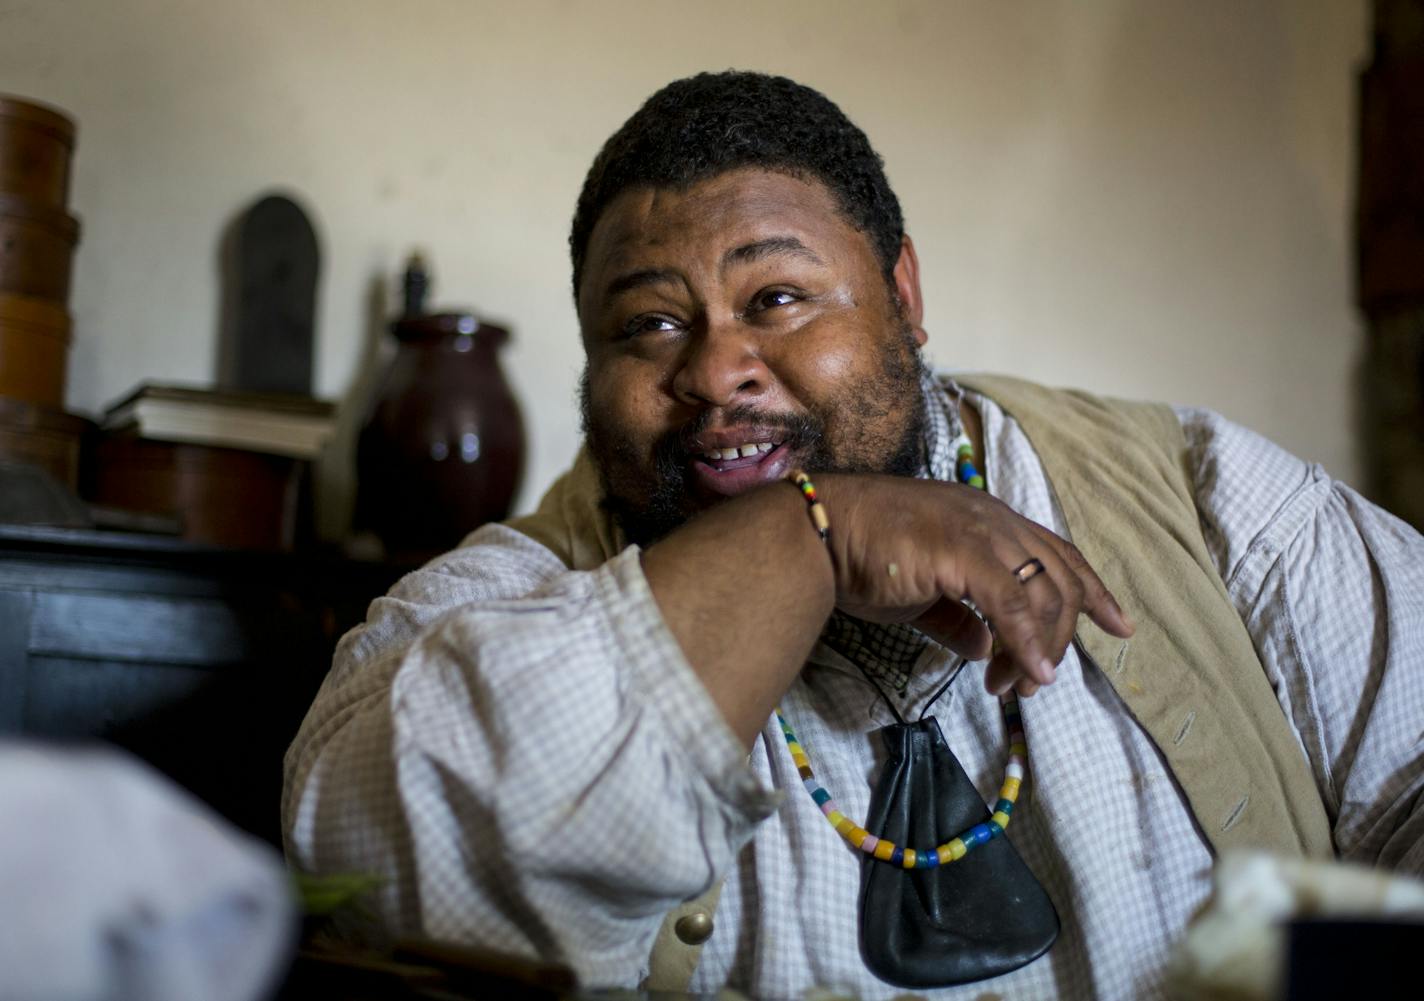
[526,756]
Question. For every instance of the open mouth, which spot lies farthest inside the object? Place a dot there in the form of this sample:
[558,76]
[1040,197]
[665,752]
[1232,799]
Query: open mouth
[722,459]
[739,468]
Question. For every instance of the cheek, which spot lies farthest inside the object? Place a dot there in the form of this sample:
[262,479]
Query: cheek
[624,398]
[825,363]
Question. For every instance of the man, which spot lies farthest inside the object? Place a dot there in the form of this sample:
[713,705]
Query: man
[550,738]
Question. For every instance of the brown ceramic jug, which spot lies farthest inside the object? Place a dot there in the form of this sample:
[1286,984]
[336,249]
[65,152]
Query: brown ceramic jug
[442,451]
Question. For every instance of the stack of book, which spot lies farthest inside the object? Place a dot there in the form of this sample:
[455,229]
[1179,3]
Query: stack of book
[231,468]
[273,423]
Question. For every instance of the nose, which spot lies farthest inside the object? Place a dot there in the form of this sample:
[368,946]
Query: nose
[722,366]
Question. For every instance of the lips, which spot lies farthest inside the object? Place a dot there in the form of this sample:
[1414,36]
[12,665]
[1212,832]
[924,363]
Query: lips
[736,468]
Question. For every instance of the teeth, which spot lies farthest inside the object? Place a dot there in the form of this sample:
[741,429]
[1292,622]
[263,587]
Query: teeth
[740,452]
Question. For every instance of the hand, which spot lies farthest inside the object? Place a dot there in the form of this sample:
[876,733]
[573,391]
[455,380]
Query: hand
[915,551]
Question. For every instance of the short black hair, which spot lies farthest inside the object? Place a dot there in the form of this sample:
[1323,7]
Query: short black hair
[705,125]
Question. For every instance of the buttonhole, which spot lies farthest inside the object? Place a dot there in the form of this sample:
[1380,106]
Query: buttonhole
[1186,727]
[1235,814]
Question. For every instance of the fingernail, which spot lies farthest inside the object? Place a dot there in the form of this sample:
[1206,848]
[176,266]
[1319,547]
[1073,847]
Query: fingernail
[1049,671]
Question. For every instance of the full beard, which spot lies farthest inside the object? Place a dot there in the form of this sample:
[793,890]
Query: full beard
[649,506]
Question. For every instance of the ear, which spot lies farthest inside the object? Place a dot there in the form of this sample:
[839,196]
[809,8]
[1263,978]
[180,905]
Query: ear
[907,287]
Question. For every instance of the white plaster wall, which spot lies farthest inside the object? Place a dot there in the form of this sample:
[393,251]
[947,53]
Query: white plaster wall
[1147,198]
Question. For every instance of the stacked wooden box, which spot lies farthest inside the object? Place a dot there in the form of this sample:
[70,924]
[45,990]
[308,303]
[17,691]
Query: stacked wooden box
[38,236]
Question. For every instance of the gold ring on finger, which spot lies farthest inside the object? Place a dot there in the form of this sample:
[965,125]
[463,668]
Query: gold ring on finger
[1028,570]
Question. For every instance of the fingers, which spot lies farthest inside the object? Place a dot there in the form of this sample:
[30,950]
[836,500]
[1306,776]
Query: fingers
[1034,614]
[929,548]
[1025,688]
[1059,618]
[1098,602]
[1003,674]
[1036,624]
[954,625]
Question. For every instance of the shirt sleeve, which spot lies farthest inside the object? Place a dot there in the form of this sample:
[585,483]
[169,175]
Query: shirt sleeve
[525,757]
[1331,589]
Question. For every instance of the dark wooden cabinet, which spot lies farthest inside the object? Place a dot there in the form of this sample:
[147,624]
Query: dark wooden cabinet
[201,661]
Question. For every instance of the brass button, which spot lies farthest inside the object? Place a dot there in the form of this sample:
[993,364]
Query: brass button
[694,928]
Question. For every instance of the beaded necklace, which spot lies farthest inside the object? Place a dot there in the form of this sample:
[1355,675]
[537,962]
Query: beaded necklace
[957,847]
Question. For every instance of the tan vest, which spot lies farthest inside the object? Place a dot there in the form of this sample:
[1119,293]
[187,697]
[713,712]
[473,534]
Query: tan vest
[1190,675]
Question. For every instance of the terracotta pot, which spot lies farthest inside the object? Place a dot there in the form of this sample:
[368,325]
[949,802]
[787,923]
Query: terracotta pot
[36,249]
[42,436]
[34,349]
[36,146]
[442,451]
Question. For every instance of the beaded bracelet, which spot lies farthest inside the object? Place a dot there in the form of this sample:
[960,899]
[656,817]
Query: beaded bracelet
[818,512]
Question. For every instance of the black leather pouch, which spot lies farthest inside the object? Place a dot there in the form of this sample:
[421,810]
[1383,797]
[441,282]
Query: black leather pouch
[980,917]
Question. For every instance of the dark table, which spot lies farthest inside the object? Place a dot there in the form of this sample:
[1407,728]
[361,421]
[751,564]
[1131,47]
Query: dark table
[200,660]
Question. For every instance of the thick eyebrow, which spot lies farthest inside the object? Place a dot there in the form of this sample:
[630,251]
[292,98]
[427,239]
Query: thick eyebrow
[748,253]
[772,246]
[638,279]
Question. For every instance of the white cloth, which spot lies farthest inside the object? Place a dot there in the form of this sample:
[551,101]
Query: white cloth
[526,755]
[1239,946]
[117,886]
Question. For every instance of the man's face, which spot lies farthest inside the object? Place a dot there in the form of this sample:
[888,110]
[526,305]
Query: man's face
[735,331]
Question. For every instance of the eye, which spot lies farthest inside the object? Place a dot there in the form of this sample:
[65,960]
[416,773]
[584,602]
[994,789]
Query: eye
[771,298]
[648,323]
